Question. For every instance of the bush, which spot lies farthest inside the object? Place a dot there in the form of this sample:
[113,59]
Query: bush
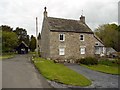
[89,61]
[77,61]
[109,62]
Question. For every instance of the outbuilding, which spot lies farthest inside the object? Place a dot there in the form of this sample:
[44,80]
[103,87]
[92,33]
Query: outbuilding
[22,48]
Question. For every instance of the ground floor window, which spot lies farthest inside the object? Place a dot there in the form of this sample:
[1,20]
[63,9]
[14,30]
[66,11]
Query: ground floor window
[61,51]
[100,50]
[97,50]
[82,50]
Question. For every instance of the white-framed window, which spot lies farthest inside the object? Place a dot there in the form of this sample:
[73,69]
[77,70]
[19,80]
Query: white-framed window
[61,51]
[96,43]
[81,37]
[62,37]
[82,50]
[97,50]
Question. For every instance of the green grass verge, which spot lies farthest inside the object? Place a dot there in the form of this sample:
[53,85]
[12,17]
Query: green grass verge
[103,68]
[32,52]
[6,57]
[114,62]
[60,73]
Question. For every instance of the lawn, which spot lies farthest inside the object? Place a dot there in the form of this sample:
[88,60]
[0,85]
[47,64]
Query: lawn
[103,68]
[60,73]
[6,57]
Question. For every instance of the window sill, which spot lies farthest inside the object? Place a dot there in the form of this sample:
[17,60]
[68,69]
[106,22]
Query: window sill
[61,41]
[81,40]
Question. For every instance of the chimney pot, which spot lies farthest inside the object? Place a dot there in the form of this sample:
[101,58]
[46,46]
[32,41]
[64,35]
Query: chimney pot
[45,12]
[82,19]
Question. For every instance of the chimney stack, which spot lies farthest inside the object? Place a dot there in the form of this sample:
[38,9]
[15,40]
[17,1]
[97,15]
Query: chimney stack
[82,19]
[45,12]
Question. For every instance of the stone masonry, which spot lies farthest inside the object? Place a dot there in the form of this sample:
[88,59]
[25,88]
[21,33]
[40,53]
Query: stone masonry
[72,45]
[50,43]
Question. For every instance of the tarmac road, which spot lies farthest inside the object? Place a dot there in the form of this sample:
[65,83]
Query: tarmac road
[99,80]
[19,72]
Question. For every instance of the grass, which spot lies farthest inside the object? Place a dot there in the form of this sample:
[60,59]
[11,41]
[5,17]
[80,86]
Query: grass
[32,52]
[6,57]
[60,73]
[105,66]
[109,62]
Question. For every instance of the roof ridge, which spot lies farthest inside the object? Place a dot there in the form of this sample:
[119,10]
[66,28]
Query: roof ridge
[63,18]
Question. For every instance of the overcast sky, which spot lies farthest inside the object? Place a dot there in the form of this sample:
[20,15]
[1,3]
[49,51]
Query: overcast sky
[22,13]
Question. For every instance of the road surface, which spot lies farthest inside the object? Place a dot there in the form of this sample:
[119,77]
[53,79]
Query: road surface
[99,79]
[19,72]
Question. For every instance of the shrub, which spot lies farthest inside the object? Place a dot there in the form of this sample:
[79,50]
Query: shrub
[109,62]
[77,61]
[39,54]
[118,61]
[89,61]
[58,60]
[71,59]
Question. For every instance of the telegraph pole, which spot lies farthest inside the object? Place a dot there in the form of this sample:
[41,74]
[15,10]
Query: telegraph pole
[119,13]
[82,12]
[36,37]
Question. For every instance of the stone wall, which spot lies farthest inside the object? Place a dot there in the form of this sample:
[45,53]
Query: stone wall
[72,45]
[44,47]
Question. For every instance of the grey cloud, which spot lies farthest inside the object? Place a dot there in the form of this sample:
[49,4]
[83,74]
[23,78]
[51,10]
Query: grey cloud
[22,13]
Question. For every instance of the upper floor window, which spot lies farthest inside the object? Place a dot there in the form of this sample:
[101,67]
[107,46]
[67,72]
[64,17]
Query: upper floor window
[62,37]
[96,43]
[81,37]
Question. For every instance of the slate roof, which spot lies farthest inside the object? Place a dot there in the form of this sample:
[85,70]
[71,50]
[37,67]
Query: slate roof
[67,25]
[24,44]
[99,39]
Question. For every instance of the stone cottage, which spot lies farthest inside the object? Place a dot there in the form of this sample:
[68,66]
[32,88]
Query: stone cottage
[66,38]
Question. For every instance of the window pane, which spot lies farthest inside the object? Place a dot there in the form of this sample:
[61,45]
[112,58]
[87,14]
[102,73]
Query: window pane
[81,37]
[97,50]
[61,37]
[96,43]
[61,51]
[82,50]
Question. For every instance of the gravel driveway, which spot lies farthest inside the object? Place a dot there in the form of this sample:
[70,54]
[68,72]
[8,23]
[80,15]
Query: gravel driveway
[99,80]
[19,72]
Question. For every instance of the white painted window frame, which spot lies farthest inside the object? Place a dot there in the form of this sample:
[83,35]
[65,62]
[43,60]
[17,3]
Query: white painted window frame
[97,43]
[82,50]
[61,51]
[83,37]
[63,37]
[98,52]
